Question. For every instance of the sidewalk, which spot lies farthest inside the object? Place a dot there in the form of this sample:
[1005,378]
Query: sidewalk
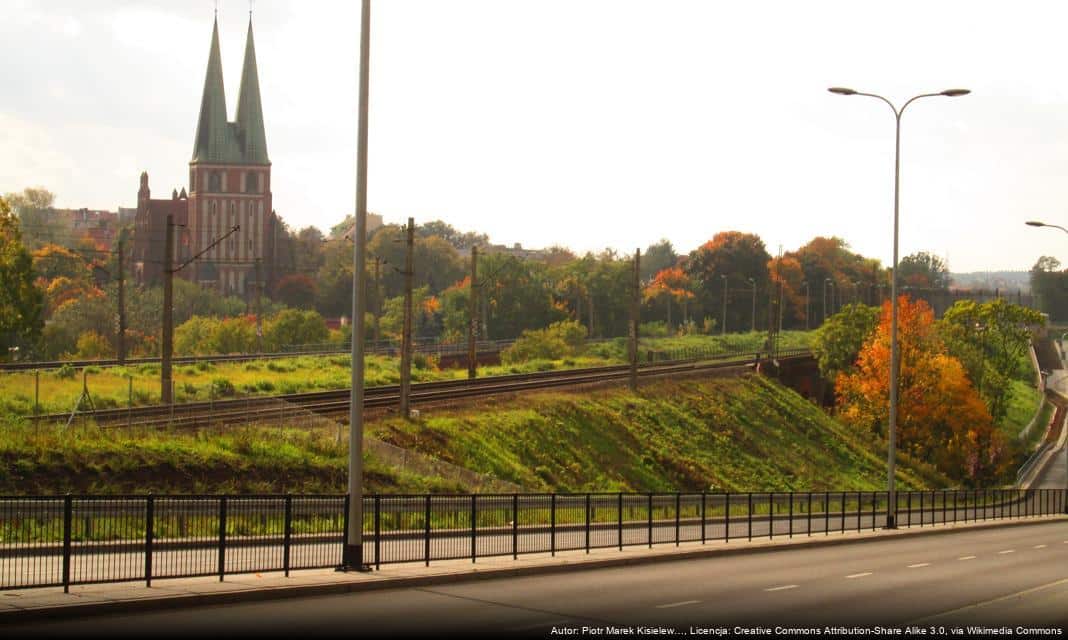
[29,604]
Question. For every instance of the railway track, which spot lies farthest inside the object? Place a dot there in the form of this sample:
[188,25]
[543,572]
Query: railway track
[336,402]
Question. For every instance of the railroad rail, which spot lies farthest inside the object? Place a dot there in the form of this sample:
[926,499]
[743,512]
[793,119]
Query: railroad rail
[336,402]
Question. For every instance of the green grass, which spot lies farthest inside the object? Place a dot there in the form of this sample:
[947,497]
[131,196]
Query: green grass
[1023,401]
[54,460]
[139,385]
[738,434]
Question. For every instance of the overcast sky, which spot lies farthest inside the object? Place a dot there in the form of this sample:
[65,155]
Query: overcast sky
[585,123]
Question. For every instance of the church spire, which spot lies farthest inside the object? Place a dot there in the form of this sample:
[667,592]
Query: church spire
[213,142]
[249,110]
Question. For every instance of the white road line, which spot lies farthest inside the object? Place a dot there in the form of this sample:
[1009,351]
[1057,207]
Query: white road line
[782,588]
[858,575]
[676,604]
[966,558]
[1001,553]
[1011,596]
[1040,546]
[921,564]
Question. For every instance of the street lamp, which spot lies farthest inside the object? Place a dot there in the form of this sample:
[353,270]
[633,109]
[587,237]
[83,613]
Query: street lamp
[752,322]
[827,282]
[804,284]
[723,329]
[1035,223]
[891,507]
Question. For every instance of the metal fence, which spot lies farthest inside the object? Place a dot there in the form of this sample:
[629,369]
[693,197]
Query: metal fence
[69,540]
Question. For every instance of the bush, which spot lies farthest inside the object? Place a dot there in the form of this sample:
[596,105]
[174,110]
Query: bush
[653,329]
[265,385]
[205,366]
[560,339]
[66,372]
[189,388]
[93,345]
[222,387]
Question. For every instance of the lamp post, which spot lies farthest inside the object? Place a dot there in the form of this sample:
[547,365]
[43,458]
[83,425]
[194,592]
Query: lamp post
[752,321]
[804,285]
[723,328]
[827,282]
[1035,223]
[891,509]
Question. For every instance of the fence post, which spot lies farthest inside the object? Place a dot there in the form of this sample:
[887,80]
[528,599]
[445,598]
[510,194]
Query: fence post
[750,516]
[68,508]
[874,513]
[726,518]
[378,532]
[702,517]
[808,515]
[150,520]
[287,533]
[790,529]
[620,510]
[677,501]
[859,500]
[474,528]
[587,523]
[771,515]
[908,506]
[426,529]
[649,509]
[345,522]
[843,518]
[826,513]
[222,537]
[552,524]
[515,526]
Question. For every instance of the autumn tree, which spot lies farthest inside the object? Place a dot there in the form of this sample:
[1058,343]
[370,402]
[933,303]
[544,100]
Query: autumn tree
[672,286]
[737,256]
[656,258]
[21,303]
[838,341]
[296,290]
[941,417]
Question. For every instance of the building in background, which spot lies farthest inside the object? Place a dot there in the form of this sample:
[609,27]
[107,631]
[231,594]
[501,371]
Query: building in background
[229,186]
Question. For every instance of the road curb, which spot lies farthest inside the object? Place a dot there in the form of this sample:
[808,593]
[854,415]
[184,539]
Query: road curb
[163,603]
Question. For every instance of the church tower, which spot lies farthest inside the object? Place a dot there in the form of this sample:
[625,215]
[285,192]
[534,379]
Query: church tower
[229,182]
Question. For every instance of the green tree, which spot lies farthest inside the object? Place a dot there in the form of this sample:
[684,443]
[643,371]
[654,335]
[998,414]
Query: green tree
[656,258]
[37,217]
[293,327]
[1050,285]
[21,303]
[990,339]
[738,256]
[838,341]
[924,271]
[296,290]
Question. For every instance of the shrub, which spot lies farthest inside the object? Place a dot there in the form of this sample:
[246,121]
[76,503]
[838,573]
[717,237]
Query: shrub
[280,367]
[93,345]
[205,366]
[92,369]
[653,329]
[560,339]
[189,388]
[265,385]
[66,372]
[222,387]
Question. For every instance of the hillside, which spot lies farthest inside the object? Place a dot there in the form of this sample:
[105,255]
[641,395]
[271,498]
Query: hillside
[738,434]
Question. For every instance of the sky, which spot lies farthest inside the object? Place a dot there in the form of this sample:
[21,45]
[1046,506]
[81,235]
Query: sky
[582,123]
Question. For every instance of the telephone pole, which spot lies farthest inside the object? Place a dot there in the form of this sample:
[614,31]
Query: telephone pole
[406,337]
[167,348]
[472,317]
[259,306]
[122,298]
[634,313]
[378,302]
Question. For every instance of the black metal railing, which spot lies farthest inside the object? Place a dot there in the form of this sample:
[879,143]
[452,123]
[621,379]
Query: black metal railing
[69,540]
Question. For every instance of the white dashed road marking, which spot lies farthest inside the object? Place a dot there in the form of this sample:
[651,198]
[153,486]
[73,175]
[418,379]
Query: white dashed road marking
[1001,553]
[782,588]
[966,558]
[676,604]
[858,575]
[1040,546]
[921,564]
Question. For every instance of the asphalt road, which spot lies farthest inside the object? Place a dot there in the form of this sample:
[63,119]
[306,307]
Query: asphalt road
[998,577]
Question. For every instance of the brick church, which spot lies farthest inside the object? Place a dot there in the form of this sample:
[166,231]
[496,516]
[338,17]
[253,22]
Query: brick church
[229,186]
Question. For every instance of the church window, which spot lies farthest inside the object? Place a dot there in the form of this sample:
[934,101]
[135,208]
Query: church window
[215,181]
[252,182]
[192,180]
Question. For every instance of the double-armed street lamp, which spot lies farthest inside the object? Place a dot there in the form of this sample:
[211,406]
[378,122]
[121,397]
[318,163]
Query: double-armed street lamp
[891,511]
[1035,223]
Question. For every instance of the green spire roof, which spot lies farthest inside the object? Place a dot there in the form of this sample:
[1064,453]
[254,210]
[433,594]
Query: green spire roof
[220,141]
[249,110]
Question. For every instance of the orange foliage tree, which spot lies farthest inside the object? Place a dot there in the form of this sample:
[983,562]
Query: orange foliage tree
[674,285]
[941,417]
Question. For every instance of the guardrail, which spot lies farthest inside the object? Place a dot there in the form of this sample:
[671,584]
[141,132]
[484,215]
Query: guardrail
[50,541]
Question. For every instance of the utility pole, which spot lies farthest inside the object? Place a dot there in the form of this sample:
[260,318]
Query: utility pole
[406,338]
[352,552]
[167,348]
[259,306]
[378,301]
[472,316]
[752,321]
[723,327]
[634,313]
[122,298]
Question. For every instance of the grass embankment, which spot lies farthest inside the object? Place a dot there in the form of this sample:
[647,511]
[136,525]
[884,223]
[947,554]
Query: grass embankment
[110,387]
[738,434]
[53,460]
[1023,401]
